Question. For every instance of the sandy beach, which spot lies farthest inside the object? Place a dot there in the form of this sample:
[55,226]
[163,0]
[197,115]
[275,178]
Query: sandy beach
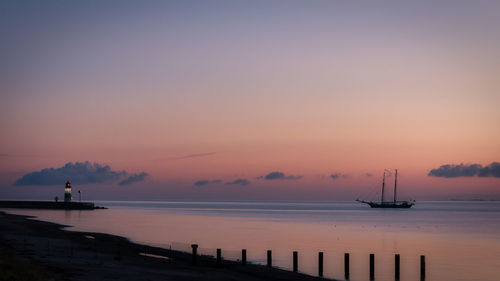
[38,250]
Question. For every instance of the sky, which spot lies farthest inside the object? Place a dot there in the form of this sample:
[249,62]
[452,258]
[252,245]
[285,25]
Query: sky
[247,100]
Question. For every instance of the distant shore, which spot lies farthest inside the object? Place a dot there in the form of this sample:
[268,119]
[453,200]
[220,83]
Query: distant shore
[38,250]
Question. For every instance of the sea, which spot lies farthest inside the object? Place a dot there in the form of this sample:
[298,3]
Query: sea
[460,240]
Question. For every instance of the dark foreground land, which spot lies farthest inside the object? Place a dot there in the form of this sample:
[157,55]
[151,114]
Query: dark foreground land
[36,250]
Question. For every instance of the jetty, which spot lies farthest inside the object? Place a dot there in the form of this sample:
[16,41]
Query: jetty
[53,205]
[67,204]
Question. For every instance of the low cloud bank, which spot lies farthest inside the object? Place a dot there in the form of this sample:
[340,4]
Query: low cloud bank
[134,178]
[339,175]
[79,173]
[239,182]
[205,182]
[279,176]
[466,170]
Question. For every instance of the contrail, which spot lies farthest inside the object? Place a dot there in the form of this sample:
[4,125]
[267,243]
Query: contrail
[190,156]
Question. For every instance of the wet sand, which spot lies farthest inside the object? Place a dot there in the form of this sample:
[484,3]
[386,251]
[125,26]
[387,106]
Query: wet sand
[37,250]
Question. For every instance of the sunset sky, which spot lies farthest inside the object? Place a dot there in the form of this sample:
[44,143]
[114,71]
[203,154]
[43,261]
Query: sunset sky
[202,94]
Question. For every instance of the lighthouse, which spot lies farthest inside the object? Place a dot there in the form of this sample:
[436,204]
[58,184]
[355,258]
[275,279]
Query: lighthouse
[67,192]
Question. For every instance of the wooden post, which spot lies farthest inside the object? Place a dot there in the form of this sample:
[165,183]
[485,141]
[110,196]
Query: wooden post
[320,264]
[219,257]
[243,256]
[396,270]
[422,268]
[269,259]
[295,261]
[372,267]
[346,266]
[195,247]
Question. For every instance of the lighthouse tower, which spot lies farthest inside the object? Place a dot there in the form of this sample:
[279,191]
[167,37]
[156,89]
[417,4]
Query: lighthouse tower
[67,192]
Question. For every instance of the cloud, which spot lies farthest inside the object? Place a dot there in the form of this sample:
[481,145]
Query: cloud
[240,182]
[279,176]
[368,175]
[78,173]
[6,155]
[189,156]
[492,170]
[134,178]
[339,175]
[205,182]
[466,170]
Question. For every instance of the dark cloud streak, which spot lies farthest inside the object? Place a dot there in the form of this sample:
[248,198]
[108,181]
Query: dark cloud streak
[6,155]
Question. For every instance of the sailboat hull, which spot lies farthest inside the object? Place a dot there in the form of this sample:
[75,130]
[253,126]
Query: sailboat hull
[398,205]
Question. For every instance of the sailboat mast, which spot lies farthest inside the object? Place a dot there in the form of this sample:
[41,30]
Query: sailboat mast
[383,187]
[395,185]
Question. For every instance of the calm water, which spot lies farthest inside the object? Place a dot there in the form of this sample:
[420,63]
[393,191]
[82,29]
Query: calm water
[461,240]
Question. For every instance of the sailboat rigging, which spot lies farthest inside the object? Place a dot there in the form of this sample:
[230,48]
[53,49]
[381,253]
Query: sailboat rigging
[389,204]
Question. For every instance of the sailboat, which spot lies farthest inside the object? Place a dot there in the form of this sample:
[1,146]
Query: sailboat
[389,204]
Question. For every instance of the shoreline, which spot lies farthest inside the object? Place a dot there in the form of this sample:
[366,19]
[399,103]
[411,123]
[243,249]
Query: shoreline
[37,250]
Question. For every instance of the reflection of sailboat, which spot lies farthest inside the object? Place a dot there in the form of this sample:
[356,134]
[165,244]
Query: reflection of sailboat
[389,204]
